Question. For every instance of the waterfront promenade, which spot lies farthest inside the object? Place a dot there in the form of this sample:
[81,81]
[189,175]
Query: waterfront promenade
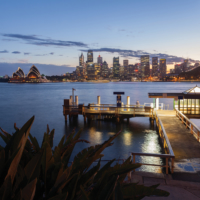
[185,146]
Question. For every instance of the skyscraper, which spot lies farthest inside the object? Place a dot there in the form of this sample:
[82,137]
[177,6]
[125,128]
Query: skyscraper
[155,66]
[125,63]
[145,68]
[90,56]
[81,60]
[116,67]
[99,60]
[177,68]
[126,68]
[185,65]
[163,67]
[104,69]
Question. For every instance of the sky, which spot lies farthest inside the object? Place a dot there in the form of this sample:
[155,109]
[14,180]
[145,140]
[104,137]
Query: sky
[52,34]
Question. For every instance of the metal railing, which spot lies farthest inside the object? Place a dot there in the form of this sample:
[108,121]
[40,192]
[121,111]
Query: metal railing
[194,130]
[166,145]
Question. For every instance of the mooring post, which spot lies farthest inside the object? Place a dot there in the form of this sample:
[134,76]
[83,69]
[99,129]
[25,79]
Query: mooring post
[66,118]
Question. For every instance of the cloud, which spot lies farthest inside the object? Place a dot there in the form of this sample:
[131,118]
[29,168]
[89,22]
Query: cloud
[35,40]
[121,30]
[5,51]
[60,55]
[16,52]
[51,53]
[40,54]
[23,61]
[138,53]
[26,53]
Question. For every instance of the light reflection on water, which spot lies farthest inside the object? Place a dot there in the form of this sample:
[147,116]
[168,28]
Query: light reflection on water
[151,145]
[127,138]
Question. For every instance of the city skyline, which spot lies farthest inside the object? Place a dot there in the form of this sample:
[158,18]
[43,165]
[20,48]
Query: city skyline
[31,33]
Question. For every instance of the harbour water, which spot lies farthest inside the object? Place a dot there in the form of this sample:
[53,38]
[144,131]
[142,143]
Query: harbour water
[19,102]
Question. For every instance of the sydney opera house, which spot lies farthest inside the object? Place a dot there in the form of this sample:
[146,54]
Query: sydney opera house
[33,76]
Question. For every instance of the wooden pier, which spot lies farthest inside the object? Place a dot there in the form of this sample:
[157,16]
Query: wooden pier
[107,111]
[179,136]
[180,139]
[184,138]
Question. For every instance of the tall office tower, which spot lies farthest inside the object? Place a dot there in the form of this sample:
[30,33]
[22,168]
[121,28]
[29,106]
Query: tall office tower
[145,67]
[185,65]
[81,60]
[99,60]
[90,56]
[155,66]
[126,68]
[177,68]
[121,70]
[91,71]
[131,69]
[125,63]
[163,67]
[116,67]
[104,69]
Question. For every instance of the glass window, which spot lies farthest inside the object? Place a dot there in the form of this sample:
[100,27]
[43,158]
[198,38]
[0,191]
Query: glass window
[181,102]
[189,102]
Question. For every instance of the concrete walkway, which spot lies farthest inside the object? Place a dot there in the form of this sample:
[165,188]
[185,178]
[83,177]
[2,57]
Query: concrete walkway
[179,190]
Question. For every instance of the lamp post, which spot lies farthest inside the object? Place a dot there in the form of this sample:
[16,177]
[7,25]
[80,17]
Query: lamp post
[73,95]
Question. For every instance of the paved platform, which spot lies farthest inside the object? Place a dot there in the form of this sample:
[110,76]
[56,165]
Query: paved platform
[183,190]
[186,148]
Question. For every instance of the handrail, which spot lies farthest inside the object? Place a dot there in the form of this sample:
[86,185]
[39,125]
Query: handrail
[166,156]
[189,124]
[164,134]
[114,105]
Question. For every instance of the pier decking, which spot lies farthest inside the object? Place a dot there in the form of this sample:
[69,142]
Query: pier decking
[185,144]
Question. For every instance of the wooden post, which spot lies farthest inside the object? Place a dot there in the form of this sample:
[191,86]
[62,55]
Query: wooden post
[128,120]
[172,165]
[191,129]
[85,118]
[166,165]
[182,119]
[66,118]
[198,136]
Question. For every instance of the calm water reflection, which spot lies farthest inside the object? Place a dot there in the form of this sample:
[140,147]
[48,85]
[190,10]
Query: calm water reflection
[18,102]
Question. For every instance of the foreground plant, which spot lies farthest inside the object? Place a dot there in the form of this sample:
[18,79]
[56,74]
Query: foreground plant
[28,171]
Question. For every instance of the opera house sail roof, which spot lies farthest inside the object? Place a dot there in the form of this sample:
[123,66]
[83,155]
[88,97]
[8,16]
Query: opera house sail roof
[33,72]
[19,73]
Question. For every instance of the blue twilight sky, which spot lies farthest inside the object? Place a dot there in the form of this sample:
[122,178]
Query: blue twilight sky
[54,33]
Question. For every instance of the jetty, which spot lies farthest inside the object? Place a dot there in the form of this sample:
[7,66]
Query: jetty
[179,136]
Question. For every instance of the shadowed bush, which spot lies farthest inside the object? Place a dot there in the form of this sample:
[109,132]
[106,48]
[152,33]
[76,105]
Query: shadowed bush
[28,171]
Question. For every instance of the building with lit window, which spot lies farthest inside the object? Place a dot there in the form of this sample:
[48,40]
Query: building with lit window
[155,66]
[116,67]
[81,60]
[188,102]
[104,70]
[163,67]
[177,69]
[90,56]
[99,60]
[145,67]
